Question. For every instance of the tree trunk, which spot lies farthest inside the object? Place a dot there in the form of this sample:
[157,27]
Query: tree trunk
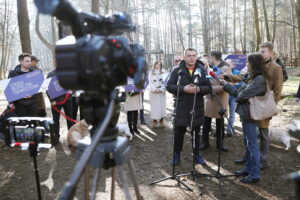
[297,9]
[274,24]
[234,25]
[266,21]
[245,28]
[190,26]
[95,7]
[24,26]
[256,21]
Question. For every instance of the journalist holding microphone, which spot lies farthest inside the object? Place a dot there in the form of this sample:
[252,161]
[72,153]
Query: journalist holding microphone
[256,86]
[190,77]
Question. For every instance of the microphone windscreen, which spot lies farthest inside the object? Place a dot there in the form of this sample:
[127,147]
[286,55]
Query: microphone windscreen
[215,68]
[212,74]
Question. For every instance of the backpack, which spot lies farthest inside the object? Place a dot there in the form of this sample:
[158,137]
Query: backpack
[284,73]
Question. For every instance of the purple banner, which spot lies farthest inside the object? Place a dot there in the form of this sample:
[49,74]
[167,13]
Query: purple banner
[24,85]
[129,87]
[54,89]
[239,61]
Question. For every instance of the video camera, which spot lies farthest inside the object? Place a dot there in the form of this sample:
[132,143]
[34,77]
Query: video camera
[95,60]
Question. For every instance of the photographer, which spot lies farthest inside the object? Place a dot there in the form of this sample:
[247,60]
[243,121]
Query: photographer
[28,106]
[185,100]
[256,87]
[212,103]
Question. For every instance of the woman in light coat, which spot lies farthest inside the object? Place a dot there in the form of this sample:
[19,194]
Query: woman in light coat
[157,95]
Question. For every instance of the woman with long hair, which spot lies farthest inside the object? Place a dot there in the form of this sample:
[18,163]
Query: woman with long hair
[157,95]
[256,86]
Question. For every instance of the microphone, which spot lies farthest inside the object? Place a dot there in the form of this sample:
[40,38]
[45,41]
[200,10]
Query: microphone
[213,74]
[179,76]
[197,76]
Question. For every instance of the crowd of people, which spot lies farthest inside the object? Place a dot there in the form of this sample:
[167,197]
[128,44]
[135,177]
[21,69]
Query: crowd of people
[193,90]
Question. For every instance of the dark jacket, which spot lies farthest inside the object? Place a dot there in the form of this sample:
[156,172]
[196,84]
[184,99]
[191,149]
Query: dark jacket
[257,87]
[298,92]
[284,73]
[25,101]
[185,100]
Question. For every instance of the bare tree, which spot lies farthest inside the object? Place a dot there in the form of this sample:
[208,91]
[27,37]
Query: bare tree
[95,6]
[266,20]
[24,24]
[256,21]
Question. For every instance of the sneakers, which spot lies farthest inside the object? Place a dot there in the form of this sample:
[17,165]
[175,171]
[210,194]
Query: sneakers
[249,180]
[176,159]
[199,160]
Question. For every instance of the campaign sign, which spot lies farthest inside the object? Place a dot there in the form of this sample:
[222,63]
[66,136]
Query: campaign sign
[24,85]
[130,87]
[54,88]
[239,61]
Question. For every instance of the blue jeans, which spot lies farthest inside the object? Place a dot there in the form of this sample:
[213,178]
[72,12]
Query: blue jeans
[232,107]
[252,165]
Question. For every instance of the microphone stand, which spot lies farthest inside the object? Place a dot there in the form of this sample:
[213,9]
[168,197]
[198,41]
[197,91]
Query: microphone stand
[175,176]
[218,175]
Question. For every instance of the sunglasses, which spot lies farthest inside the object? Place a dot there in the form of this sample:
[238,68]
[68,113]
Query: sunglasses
[177,60]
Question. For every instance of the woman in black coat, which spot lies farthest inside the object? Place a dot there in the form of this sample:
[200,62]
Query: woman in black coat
[257,86]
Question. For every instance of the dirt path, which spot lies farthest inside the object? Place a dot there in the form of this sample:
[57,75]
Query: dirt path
[151,153]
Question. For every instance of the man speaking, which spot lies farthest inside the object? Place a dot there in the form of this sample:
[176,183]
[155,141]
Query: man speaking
[190,77]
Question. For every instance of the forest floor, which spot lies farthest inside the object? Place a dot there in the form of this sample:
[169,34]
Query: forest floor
[151,153]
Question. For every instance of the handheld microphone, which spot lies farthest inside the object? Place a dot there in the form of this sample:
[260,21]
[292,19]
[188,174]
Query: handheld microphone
[179,76]
[213,74]
[197,76]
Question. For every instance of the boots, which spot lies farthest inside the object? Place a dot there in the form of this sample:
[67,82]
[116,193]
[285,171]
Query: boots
[130,128]
[135,128]
[176,159]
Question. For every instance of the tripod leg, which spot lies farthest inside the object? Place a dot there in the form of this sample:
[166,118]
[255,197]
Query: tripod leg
[87,183]
[113,183]
[124,183]
[133,178]
[95,183]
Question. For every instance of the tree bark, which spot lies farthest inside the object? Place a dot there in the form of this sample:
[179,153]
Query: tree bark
[266,20]
[24,25]
[256,21]
[297,10]
[95,7]
[274,24]
[234,25]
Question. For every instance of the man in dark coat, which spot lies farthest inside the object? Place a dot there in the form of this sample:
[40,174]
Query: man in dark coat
[26,107]
[187,89]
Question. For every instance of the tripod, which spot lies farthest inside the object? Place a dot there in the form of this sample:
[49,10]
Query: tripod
[111,154]
[175,176]
[106,150]
[218,174]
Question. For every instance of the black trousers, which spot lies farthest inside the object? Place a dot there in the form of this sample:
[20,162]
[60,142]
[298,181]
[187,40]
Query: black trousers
[179,132]
[30,110]
[67,107]
[75,107]
[132,118]
[207,128]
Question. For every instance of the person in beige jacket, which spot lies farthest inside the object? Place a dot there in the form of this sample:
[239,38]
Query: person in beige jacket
[212,106]
[275,83]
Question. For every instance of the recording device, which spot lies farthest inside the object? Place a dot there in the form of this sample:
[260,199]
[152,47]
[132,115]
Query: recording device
[95,60]
[28,130]
[213,74]
[197,76]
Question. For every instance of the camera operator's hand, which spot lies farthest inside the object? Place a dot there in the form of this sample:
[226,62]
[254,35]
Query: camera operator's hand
[191,89]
